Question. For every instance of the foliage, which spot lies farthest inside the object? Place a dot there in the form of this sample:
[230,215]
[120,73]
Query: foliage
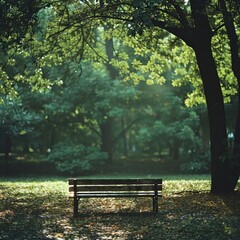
[167,123]
[196,163]
[16,16]
[15,118]
[69,31]
[75,158]
[59,34]
[18,66]
[39,208]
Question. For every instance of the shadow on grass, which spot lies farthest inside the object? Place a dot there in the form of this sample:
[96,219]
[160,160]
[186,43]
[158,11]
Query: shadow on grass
[198,216]
[30,211]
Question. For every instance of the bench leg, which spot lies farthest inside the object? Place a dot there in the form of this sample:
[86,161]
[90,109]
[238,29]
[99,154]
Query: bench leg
[155,204]
[75,207]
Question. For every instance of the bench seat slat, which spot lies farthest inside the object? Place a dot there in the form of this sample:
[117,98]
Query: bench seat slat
[115,194]
[113,181]
[117,188]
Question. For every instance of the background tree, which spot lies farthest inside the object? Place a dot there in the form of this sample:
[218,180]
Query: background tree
[196,23]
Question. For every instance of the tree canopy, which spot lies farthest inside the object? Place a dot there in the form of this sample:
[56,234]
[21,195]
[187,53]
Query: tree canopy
[198,41]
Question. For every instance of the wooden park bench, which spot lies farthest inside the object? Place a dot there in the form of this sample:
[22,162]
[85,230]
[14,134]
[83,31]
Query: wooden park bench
[96,188]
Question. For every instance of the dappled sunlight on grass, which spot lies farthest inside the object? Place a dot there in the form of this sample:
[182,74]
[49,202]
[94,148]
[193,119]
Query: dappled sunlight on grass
[40,209]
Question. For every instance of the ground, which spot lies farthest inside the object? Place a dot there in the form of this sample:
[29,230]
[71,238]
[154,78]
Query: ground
[39,208]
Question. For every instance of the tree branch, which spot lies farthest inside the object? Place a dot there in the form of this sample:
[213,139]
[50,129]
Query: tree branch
[184,33]
[182,16]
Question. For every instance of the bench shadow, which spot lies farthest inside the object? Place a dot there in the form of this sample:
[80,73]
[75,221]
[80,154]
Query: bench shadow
[111,225]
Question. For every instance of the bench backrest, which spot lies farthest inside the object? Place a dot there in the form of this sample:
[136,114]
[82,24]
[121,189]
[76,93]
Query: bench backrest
[114,185]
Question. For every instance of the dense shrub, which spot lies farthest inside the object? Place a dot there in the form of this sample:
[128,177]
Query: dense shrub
[196,163]
[76,158]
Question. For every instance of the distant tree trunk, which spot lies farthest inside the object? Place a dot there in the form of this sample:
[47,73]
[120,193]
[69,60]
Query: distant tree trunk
[124,138]
[52,136]
[106,137]
[7,150]
[107,125]
[174,150]
[25,148]
[5,146]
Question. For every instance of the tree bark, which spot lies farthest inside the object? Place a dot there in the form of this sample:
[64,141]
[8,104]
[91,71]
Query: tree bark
[217,123]
[201,43]
[204,131]
[235,58]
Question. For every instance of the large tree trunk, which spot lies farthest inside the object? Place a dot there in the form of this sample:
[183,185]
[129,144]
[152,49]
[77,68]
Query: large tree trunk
[235,57]
[217,123]
[199,38]
[201,43]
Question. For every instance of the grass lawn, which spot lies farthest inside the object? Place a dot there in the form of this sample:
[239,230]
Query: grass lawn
[39,208]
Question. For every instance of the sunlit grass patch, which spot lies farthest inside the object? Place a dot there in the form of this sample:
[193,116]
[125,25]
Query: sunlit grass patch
[30,195]
[171,186]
